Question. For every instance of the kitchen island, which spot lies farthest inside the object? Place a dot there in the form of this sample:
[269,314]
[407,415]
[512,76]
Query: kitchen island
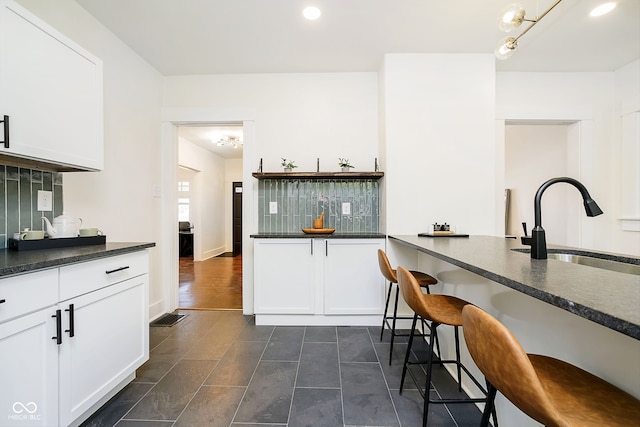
[609,298]
[587,316]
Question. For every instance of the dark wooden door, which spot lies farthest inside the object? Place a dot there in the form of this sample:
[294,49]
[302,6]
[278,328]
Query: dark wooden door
[237,218]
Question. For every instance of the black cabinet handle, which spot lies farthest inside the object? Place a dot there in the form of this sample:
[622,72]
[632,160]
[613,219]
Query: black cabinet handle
[311,241]
[71,324]
[6,131]
[2,301]
[58,317]
[326,248]
[116,270]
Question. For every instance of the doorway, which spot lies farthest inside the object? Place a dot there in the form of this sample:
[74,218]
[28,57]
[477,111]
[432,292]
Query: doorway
[237,218]
[212,278]
[534,153]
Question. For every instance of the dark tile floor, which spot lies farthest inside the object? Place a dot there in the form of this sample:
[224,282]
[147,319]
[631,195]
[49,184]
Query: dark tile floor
[216,368]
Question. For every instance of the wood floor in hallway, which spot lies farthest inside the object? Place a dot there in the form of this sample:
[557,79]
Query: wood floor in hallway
[215,283]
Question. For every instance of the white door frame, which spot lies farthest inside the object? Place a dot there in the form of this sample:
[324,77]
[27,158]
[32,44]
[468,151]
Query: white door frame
[579,143]
[171,119]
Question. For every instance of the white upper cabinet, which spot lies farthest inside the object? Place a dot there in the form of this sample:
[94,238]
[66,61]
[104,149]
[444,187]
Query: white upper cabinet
[51,92]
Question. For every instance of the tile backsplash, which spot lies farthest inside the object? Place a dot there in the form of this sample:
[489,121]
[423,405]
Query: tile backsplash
[19,199]
[299,201]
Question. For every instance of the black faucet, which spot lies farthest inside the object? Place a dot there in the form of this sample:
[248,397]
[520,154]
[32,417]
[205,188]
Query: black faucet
[537,240]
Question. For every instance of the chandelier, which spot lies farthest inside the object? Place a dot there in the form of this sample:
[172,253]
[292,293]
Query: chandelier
[231,140]
[512,17]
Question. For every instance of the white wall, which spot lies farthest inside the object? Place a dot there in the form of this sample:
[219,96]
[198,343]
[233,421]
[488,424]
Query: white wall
[120,200]
[438,130]
[533,154]
[297,116]
[628,98]
[209,195]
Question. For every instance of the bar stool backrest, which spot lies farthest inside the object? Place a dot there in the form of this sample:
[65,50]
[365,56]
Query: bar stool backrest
[385,267]
[506,365]
[411,292]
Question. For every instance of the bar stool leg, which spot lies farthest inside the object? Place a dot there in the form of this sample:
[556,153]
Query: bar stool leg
[425,326]
[489,407]
[427,388]
[406,356]
[458,364]
[386,309]
[393,323]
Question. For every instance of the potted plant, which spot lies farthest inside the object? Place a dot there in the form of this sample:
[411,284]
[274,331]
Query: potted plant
[288,164]
[344,164]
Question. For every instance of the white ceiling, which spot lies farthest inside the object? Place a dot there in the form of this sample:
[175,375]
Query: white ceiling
[270,36]
[207,137]
[180,37]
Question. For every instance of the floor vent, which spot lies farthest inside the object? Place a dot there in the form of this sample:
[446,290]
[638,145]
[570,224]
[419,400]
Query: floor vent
[168,319]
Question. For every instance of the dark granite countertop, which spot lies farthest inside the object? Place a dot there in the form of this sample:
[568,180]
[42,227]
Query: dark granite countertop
[301,235]
[605,297]
[14,262]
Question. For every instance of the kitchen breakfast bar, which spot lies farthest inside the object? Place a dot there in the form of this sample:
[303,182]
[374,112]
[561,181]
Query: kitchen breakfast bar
[584,315]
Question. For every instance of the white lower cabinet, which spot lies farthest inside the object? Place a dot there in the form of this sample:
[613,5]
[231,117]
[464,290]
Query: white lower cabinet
[353,283]
[29,370]
[284,272]
[64,356]
[332,281]
[28,354]
[109,342]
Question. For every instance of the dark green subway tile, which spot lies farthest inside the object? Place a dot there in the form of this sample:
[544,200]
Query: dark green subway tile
[13,207]
[25,198]
[18,199]
[57,200]
[3,206]
[300,201]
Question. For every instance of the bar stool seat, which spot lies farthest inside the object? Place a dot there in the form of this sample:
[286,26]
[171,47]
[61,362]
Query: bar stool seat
[424,280]
[550,391]
[438,310]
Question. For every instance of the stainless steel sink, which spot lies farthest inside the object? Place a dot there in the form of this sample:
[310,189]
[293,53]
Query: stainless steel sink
[621,265]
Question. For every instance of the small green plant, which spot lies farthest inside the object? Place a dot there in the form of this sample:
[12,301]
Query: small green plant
[288,163]
[344,163]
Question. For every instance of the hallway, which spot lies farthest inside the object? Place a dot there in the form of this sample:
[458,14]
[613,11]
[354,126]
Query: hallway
[215,283]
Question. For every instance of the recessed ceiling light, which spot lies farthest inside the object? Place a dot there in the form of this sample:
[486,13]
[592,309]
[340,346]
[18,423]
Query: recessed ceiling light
[603,9]
[311,13]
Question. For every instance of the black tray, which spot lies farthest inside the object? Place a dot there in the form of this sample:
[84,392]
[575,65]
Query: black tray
[46,243]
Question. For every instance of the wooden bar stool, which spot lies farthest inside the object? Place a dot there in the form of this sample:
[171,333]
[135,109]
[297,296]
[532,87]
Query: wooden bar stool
[424,280]
[438,310]
[548,390]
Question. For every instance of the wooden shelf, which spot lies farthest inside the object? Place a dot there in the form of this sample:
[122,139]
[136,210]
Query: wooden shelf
[318,175]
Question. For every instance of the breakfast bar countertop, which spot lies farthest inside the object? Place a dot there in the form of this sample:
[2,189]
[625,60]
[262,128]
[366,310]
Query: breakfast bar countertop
[14,262]
[605,297]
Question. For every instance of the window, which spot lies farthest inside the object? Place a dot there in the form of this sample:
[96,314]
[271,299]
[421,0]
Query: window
[183,201]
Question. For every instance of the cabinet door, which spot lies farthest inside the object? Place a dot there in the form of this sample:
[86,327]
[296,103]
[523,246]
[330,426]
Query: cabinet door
[284,278]
[29,370]
[51,89]
[111,340]
[352,280]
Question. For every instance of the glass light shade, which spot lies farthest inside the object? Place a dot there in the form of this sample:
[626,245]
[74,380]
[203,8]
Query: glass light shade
[512,16]
[506,48]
